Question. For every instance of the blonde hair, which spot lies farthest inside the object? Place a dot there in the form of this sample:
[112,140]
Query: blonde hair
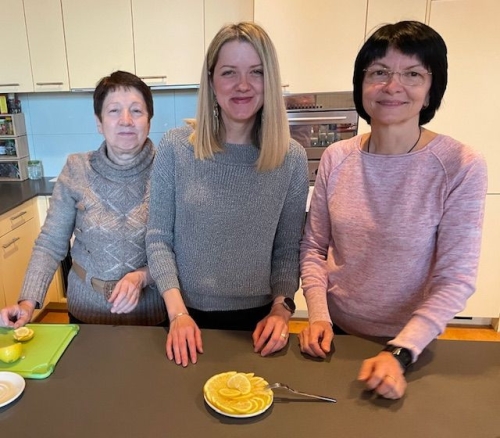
[270,132]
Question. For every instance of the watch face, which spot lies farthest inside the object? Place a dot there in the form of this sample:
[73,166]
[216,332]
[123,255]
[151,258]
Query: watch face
[289,304]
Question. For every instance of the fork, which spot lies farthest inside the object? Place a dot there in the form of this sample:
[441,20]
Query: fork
[283,386]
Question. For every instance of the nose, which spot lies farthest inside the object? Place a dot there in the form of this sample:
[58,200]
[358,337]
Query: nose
[126,118]
[392,80]
[243,84]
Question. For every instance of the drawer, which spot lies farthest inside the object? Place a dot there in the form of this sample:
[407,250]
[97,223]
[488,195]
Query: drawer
[17,216]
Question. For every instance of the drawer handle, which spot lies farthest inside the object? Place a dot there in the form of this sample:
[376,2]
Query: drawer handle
[14,240]
[41,84]
[9,85]
[17,216]
[145,78]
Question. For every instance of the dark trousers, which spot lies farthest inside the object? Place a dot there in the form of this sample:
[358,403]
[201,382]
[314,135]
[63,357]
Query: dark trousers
[245,319]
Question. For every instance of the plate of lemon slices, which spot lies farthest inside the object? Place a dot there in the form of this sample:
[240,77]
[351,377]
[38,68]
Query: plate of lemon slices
[237,395]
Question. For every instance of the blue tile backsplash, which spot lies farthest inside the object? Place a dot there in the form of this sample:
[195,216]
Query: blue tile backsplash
[59,124]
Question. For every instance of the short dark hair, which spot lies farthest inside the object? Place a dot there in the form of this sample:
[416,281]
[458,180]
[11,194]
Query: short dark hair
[121,79]
[411,38]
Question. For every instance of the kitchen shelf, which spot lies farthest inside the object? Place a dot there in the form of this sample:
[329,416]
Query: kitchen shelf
[13,148]
[14,170]
[12,125]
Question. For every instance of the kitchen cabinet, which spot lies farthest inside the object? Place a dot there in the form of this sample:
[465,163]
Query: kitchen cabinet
[99,39]
[44,26]
[485,303]
[18,231]
[168,41]
[391,11]
[469,111]
[220,12]
[317,41]
[15,72]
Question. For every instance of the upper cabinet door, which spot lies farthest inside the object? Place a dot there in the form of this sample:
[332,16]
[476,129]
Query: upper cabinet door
[391,11]
[98,39]
[317,41]
[15,69]
[221,12]
[169,41]
[46,42]
[469,111]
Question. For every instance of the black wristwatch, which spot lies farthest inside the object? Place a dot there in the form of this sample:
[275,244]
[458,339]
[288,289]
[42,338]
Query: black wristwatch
[288,304]
[403,355]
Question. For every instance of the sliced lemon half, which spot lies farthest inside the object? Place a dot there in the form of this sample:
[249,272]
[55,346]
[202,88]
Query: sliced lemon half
[11,353]
[23,334]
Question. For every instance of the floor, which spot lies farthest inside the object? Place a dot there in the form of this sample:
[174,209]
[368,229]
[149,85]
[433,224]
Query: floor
[469,333]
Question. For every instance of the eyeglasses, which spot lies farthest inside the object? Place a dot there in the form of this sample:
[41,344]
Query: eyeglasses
[411,78]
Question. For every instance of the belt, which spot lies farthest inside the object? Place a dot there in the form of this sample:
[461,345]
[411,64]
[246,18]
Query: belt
[103,286]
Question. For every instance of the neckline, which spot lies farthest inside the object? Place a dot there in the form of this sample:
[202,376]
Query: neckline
[409,150]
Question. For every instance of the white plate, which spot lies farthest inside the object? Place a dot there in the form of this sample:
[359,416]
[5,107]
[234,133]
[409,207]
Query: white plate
[11,386]
[254,414]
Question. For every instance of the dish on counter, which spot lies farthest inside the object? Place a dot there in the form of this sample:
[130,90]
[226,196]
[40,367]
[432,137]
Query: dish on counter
[11,387]
[237,395]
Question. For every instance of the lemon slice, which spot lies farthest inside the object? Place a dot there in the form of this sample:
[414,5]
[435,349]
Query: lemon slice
[237,394]
[23,334]
[240,382]
[11,353]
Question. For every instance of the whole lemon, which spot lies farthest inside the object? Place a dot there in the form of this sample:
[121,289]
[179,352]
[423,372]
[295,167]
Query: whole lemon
[11,353]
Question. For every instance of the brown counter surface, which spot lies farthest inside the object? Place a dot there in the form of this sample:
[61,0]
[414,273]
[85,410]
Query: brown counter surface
[117,382]
[15,193]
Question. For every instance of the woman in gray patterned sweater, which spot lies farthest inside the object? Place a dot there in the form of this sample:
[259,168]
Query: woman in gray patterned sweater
[101,198]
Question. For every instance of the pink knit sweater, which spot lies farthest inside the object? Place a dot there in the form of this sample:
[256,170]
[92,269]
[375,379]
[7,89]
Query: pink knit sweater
[392,242]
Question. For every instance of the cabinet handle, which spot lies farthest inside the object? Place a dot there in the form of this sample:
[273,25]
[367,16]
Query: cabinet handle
[145,78]
[17,216]
[14,240]
[41,84]
[9,85]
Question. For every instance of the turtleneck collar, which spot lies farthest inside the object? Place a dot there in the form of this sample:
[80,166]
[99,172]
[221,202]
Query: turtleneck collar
[100,162]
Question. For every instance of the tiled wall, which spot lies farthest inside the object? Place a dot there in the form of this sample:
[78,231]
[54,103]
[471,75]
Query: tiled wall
[59,124]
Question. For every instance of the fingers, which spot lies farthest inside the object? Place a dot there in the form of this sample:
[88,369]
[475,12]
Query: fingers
[125,297]
[316,339]
[184,341]
[383,376]
[270,335]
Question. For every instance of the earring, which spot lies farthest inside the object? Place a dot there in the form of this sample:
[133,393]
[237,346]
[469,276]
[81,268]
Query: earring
[216,116]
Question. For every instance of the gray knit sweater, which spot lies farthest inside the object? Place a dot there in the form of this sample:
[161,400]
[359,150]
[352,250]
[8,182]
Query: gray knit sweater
[105,207]
[223,233]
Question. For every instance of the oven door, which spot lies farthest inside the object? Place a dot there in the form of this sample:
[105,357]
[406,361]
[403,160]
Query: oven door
[316,130]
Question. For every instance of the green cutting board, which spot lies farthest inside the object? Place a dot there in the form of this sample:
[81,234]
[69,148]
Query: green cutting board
[41,353]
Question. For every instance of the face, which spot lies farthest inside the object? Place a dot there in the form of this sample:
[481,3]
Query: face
[392,102]
[238,83]
[125,123]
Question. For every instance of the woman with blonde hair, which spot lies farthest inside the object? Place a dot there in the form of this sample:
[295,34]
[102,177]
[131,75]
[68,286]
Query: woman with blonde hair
[228,202]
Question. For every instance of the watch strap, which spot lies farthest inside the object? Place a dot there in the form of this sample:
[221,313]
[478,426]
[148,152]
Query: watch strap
[403,355]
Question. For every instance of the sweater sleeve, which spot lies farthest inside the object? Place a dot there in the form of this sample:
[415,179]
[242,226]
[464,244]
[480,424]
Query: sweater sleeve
[314,247]
[458,246]
[160,230]
[285,260]
[52,243]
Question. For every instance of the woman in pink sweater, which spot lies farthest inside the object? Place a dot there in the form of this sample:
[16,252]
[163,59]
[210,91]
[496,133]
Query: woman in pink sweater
[393,235]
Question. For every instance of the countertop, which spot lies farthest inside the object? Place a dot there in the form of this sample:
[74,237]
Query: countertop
[117,382]
[14,193]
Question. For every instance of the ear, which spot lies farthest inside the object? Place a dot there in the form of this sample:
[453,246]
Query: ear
[99,124]
[426,102]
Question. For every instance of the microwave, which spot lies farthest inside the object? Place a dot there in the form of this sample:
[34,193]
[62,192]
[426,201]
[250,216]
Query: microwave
[317,120]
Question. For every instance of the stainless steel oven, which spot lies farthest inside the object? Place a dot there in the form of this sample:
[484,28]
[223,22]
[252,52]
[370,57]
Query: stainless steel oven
[319,119]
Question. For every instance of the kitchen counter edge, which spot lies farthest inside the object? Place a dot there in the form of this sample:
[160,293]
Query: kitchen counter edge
[15,193]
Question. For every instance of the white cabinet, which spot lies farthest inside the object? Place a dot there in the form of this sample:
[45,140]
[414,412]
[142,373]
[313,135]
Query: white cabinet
[485,302]
[221,12]
[47,48]
[317,41]
[99,39]
[391,11]
[168,41]
[15,69]
[469,111]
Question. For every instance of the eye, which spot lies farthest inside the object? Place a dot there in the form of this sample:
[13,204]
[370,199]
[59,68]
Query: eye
[257,72]
[412,74]
[228,73]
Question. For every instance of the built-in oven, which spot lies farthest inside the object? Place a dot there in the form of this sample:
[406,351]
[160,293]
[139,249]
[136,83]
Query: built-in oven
[319,119]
